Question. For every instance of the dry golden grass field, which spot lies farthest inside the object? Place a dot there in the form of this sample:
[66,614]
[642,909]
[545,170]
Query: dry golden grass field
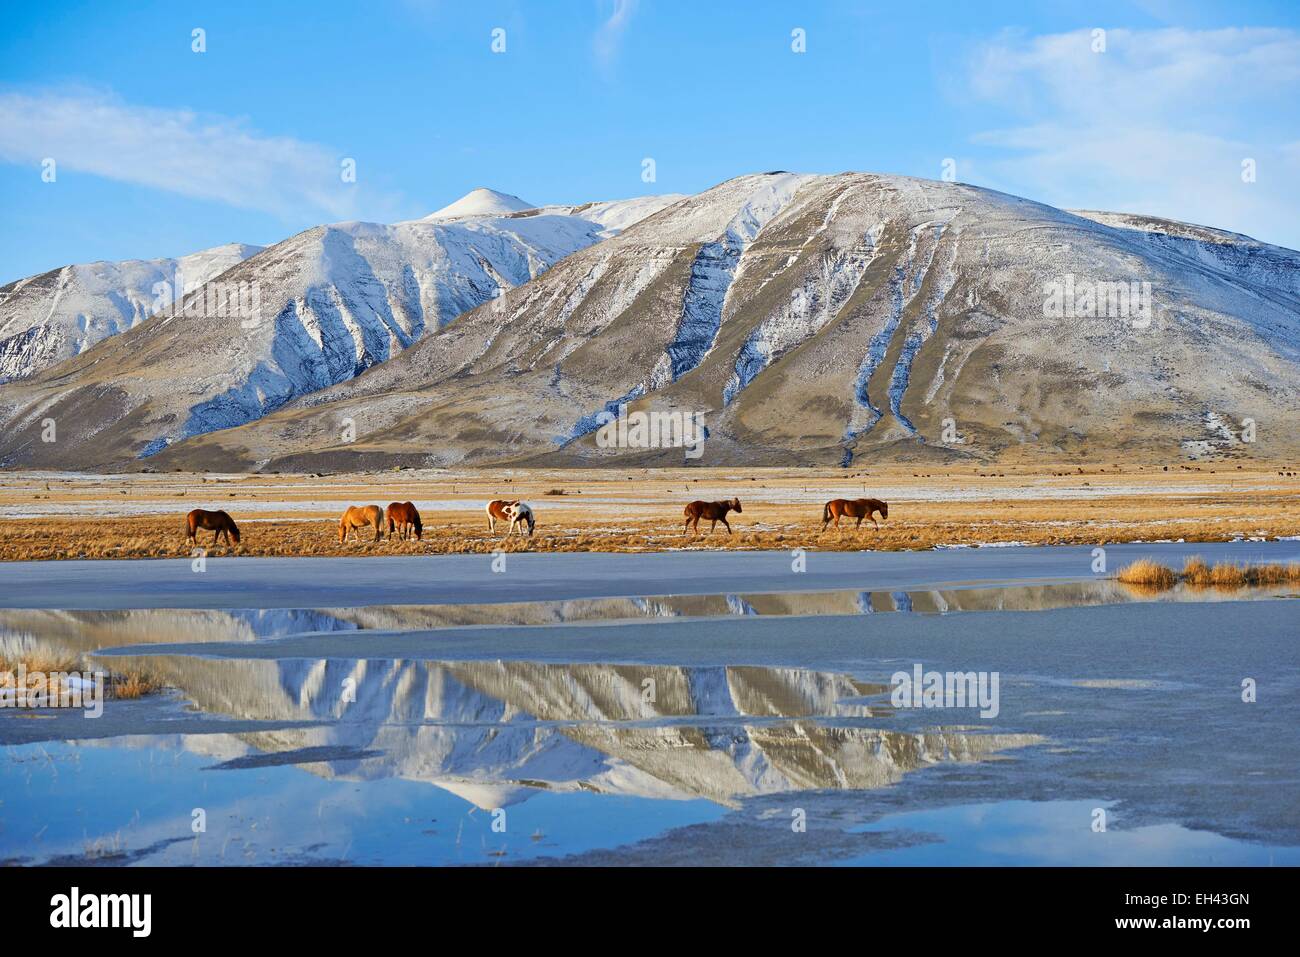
[48,516]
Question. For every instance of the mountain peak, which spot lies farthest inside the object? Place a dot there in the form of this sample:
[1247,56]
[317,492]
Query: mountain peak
[482,202]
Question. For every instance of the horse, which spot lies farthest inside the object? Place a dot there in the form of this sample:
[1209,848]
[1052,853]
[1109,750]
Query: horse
[358,517]
[219,523]
[404,518]
[516,513]
[713,511]
[858,508]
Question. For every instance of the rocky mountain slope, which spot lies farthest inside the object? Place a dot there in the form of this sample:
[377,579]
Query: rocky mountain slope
[808,320]
[331,302]
[48,318]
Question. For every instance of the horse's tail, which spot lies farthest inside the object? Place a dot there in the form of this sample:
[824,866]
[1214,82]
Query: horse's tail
[826,513]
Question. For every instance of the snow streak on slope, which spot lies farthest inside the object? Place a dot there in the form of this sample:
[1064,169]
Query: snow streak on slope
[904,285]
[928,323]
[591,421]
[813,304]
[712,274]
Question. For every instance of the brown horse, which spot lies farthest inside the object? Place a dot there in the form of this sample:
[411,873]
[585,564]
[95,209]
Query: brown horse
[516,513]
[219,523]
[713,511]
[858,508]
[404,518]
[358,517]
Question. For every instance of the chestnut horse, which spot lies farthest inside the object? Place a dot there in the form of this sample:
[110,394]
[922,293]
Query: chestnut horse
[516,513]
[358,517]
[404,518]
[858,508]
[713,511]
[219,523]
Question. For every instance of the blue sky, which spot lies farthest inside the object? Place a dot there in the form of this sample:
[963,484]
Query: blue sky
[160,150]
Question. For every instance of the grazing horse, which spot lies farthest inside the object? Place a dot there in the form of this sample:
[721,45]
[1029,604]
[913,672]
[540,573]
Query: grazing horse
[219,523]
[858,508]
[404,518]
[713,511]
[516,513]
[358,517]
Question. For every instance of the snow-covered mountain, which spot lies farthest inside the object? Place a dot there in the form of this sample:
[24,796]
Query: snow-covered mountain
[331,302]
[481,202]
[808,319]
[59,314]
[832,319]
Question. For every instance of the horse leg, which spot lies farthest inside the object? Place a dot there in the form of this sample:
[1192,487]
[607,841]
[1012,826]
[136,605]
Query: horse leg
[725,522]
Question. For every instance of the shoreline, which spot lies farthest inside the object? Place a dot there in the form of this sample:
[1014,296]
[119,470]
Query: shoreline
[459,579]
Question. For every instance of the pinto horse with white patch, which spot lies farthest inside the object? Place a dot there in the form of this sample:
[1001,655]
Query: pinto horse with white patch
[516,513]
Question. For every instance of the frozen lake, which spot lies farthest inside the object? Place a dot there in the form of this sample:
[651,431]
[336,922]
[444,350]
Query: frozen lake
[669,708]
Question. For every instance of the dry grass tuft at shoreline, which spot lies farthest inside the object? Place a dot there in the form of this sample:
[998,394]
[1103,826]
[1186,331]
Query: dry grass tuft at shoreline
[1197,574]
[1146,572]
[43,668]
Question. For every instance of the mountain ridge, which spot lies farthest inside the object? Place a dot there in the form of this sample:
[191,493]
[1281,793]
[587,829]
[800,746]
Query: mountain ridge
[824,319]
[53,316]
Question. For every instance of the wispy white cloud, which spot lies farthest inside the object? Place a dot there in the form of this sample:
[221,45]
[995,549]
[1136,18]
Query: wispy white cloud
[609,38]
[201,156]
[1158,123]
